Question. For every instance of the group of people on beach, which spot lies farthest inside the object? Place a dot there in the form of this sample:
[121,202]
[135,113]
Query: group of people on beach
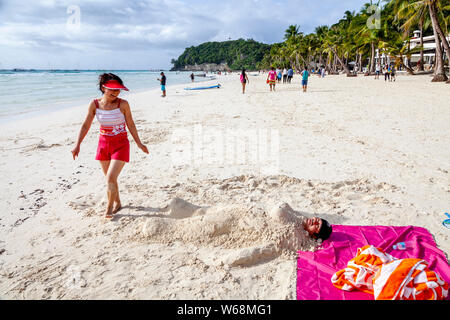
[273,77]
[113,149]
[285,74]
[277,75]
[388,70]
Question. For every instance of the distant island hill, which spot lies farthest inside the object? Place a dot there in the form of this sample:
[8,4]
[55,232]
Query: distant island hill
[222,56]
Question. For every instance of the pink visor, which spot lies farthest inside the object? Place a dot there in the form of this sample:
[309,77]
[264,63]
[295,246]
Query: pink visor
[114,85]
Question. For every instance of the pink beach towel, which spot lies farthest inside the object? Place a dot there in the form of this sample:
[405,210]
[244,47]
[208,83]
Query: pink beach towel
[315,269]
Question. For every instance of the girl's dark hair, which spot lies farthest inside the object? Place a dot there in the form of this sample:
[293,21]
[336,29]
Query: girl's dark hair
[105,77]
[325,231]
[243,71]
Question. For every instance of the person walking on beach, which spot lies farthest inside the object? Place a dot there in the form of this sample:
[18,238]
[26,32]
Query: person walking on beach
[192,77]
[113,151]
[244,80]
[284,75]
[162,80]
[305,75]
[271,78]
[290,74]
[377,71]
[387,73]
[393,72]
[279,75]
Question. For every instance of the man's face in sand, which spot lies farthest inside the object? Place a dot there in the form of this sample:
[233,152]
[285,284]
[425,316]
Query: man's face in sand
[111,94]
[313,225]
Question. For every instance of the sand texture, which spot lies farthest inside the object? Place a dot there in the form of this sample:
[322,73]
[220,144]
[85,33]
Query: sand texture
[215,210]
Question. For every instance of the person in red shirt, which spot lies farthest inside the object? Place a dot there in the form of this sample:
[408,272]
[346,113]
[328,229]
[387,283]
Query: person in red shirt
[271,78]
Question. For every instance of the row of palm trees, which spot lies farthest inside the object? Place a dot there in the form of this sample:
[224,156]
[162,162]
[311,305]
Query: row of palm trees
[356,37]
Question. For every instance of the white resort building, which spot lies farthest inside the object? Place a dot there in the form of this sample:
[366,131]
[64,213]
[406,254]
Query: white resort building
[429,51]
[429,48]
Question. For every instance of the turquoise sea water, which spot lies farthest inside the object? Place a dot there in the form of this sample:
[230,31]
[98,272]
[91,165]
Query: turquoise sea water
[23,93]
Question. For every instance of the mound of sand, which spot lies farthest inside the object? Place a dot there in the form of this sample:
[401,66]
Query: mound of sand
[257,235]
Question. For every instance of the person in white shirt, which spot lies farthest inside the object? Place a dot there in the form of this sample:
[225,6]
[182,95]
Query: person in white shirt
[377,71]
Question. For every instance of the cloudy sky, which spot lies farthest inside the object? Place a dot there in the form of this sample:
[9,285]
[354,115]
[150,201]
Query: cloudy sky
[144,34]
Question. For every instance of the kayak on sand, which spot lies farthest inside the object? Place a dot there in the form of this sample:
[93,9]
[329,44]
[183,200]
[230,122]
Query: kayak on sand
[203,88]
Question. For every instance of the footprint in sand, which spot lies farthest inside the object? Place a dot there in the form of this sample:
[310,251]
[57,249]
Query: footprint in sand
[33,201]
[44,147]
[20,143]
[88,205]
[66,184]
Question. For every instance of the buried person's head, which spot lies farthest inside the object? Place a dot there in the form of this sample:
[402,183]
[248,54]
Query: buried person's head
[318,228]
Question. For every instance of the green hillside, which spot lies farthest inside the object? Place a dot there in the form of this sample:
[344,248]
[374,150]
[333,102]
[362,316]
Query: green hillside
[237,54]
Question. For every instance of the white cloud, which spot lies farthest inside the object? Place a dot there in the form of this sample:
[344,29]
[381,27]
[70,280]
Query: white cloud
[134,29]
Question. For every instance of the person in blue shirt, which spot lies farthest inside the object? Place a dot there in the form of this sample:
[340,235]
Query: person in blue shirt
[290,74]
[279,75]
[305,75]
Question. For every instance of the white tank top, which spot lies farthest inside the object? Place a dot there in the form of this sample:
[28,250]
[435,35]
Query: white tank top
[112,122]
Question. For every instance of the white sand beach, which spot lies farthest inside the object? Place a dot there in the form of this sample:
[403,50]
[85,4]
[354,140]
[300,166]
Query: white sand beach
[197,221]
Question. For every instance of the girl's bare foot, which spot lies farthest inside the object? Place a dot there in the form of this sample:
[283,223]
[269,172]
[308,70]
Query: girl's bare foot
[117,208]
[109,215]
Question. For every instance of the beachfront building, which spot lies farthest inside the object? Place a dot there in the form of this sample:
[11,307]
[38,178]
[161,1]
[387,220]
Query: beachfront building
[429,51]
[429,48]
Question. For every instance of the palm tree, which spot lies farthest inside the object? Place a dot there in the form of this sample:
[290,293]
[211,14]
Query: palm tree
[291,51]
[365,36]
[399,48]
[362,44]
[334,42]
[414,13]
[291,31]
[439,37]
[353,38]
[441,22]
[321,32]
[296,53]
[433,7]
[446,17]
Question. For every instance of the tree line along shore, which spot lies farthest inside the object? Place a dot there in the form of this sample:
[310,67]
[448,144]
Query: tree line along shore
[354,44]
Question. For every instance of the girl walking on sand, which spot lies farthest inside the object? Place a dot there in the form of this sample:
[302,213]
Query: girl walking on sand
[271,78]
[244,80]
[113,150]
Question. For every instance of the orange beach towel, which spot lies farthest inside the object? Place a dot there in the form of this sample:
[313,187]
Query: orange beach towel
[388,278]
